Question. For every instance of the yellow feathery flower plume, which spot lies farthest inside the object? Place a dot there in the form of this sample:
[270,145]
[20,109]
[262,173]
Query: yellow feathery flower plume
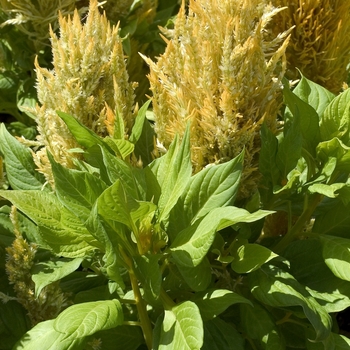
[319,45]
[89,81]
[222,70]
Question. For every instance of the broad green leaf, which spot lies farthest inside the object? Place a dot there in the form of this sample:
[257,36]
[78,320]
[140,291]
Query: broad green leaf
[109,237]
[330,292]
[213,302]
[61,230]
[76,190]
[250,257]
[192,244]
[84,136]
[335,220]
[20,167]
[275,287]
[14,320]
[267,156]
[27,228]
[139,122]
[119,127]
[148,272]
[132,178]
[79,281]
[304,114]
[326,190]
[336,117]
[341,342]
[144,147]
[45,273]
[197,277]
[82,320]
[122,148]
[314,95]
[182,328]
[115,205]
[336,252]
[173,172]
[258,325]
[213,187]
[121,338]
[289,147]
[44,336]
[220,335]
[334,148]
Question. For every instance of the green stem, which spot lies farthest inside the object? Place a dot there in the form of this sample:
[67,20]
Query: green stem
[297,229]
[140,304]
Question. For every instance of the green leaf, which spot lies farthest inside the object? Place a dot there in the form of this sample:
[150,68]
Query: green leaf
[173,172]
[109,237]
[145,145]
[258,324]
[121,338]
[326,190]
[304,114]
[45,273]
[82,320]
[14,321]
[84,136]
[314,95]
[76,190]
[336,252]
[213,187]
[275,287]
[132,178]
[289,148]
[20,167]
[192,244]
[213,302]
[330,292]
[119,127]
[182,328]
[59,230]
[268,153]
[250,257]
[122,148]
[148,273]
[197,277]
[44,336]
[139,122]
[115,206]
[220,335]
[337,149]
[335,121]
[341,342]
[335,220]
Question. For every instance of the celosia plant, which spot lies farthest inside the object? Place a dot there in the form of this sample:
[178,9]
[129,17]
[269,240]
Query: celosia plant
[89,81]
[319,45]
[221,70]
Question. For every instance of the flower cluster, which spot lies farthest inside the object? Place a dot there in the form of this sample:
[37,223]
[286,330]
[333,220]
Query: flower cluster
[222,70]
[20,260]
[89,81]
[319,45]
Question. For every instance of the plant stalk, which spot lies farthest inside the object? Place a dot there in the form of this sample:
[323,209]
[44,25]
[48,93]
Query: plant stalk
[140,304]
[299,225]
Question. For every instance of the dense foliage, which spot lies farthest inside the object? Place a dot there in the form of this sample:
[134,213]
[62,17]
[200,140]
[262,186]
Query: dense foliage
[129,248]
